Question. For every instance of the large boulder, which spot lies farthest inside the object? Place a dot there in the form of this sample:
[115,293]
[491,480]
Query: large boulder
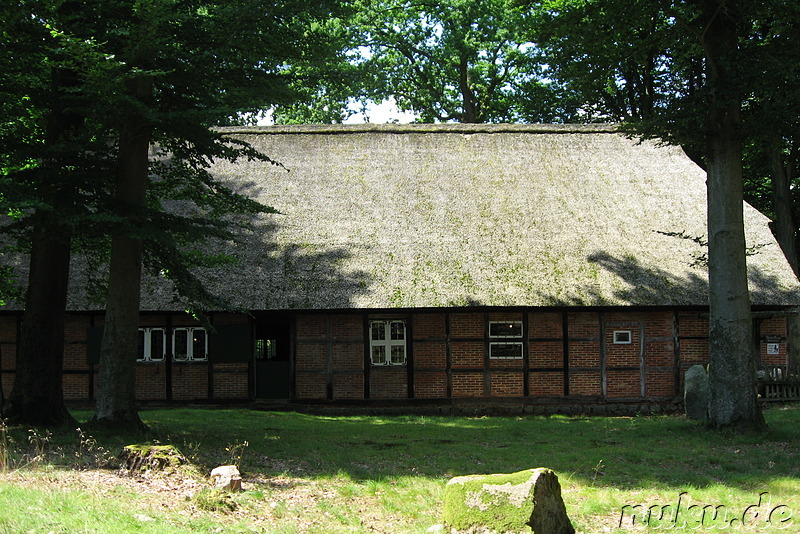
[696,393]
[527,501]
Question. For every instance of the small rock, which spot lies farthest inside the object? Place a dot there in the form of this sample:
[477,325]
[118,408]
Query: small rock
[226,477]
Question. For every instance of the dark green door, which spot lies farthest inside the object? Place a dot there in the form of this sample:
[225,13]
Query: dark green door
[272,354]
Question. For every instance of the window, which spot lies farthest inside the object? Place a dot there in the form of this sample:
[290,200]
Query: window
[504,336]
[266,349]
[387,342]
[189,344]
[152,345]
[622,337]
[505,329]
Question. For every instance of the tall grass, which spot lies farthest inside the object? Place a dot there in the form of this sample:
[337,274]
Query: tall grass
[353,474]
[4,458]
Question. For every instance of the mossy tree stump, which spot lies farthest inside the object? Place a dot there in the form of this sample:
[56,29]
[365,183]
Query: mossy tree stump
[150,457]
[527,501]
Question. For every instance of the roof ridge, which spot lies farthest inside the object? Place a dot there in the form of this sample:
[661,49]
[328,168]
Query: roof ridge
[422,128]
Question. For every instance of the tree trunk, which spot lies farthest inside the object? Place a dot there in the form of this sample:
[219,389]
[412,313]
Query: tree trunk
[116,394]
[732,367]
[784,226]
[470,114]
[37,396]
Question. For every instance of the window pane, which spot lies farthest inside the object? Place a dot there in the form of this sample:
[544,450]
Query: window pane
[140,347]
[398,355]
[378,355]
[378,330]
[398,330]
[198,344]
[622,337]
[505,329]
[180,344]
[157,344]
[505,350]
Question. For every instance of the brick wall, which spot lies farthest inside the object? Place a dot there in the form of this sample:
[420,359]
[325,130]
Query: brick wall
[430,354]
[428,326]
[506,384]
[467,325]
[447,351]
[623,384]
[330,350]
[310,386]
[545,325]
[660,383]
[388,383]
[546,384]
[151,381]
[348,386]
[546,353]
[231,381]
[75,386]
[467,354]
[8,351]
[189,381]
[585,383]
[430,385]
[659,353]
[311,358]
[467,384]
[773,333]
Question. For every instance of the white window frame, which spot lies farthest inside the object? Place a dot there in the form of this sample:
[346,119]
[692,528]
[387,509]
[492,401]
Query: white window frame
[387,343]
[190,356]
[147,349]
[506,340]
[620,335]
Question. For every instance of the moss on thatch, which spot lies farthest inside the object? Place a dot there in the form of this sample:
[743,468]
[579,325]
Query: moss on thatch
[388,216]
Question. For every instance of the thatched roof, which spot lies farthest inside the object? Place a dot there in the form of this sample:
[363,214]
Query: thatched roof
[454,215]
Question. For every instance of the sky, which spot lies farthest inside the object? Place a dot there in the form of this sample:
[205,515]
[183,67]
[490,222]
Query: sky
[381,114]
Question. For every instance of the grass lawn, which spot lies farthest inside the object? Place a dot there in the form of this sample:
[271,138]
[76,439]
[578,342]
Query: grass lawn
[335,474]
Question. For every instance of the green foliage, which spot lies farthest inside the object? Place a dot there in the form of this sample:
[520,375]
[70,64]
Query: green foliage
[641,62]
[208,64]
[456,60]
[637,62]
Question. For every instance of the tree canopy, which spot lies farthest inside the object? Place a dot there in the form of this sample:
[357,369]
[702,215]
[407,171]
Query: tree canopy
[91,86]
[452,60]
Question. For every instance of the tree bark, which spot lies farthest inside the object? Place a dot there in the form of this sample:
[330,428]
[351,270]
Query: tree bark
[37,395]
[731,349]
[116,394]
[470,114]
[784,226]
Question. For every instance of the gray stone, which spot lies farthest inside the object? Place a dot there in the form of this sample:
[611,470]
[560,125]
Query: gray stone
[696,393]
[526,501]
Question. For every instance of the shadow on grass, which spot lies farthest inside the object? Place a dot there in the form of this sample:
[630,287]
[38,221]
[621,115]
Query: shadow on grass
[624,453]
